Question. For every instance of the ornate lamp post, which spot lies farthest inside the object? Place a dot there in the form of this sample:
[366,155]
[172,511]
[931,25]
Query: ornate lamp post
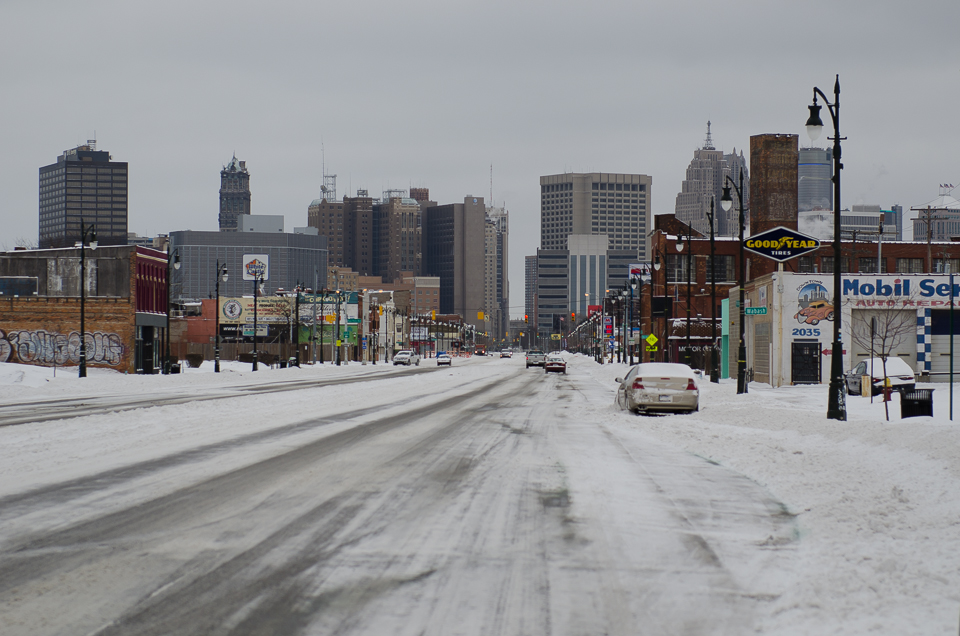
[173,261]
[726,202]
[836,403]
[257,287]
[657,265]
[680,247]
[85,232]
[714,362]
[221,276]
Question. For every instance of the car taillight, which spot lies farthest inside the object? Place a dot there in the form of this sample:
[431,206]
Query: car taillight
[691,386]
[638,383]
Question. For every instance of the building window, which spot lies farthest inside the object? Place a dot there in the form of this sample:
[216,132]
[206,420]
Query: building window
[827,264]
[909,265]
[940,265]
[676,268]
[724,268]
[805,265]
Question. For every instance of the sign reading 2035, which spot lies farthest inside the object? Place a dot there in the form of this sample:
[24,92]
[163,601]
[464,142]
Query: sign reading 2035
[781,244]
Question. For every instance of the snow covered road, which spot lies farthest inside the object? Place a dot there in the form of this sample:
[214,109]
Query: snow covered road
[487,499]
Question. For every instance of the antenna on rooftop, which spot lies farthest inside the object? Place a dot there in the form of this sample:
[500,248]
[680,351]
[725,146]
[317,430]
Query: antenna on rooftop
[708,144]
[491,184]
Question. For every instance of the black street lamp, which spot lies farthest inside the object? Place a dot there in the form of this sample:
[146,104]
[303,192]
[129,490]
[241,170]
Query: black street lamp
[836,402]
[714,362]
[680,247]
[91,232]
[221,275]
[726,202]
[257,284]
[173,260]
[657,265]
[336,336]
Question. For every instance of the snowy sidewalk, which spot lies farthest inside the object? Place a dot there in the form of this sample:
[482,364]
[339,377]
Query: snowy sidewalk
[877,502]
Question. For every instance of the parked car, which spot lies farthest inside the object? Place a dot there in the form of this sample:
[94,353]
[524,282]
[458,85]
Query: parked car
[444,359]
[901,376]
[406,357]
[554,363]
[659,386]
[535,358]
[506,353]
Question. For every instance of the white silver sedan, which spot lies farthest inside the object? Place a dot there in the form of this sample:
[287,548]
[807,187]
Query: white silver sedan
[659,386]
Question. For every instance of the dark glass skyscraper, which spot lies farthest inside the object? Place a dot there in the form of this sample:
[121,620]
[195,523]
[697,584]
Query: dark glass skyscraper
[83,187]
[234,194]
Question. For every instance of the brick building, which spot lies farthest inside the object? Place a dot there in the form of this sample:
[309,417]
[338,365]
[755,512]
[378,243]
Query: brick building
[666,293]
[125,307]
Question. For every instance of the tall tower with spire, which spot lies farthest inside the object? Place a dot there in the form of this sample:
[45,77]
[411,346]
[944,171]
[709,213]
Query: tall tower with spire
[234,194]
[704,179]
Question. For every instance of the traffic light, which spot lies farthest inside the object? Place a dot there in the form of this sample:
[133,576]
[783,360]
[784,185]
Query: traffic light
[573,316]
[526,320]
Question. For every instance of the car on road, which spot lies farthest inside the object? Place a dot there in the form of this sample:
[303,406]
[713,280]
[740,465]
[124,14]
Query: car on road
[554,363]
[444,359]
[535,358]
[406,357]
[659,386]
[901,376]
[506,353]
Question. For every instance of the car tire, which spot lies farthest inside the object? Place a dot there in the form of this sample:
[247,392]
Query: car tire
[814,322]
[830,316]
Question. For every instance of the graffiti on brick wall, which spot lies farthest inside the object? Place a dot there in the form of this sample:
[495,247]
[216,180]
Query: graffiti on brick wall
[47,348]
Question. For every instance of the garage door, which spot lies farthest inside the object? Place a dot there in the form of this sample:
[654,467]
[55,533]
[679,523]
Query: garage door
[940,344]
[896,330]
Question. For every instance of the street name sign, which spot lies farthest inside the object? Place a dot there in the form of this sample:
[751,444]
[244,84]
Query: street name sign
[755,311]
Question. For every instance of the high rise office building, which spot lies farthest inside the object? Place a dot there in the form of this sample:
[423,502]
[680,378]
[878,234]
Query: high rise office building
[496,283]
[705,178]
[617,205]
[814,187]
[453,249]
[399,238]
[85,186]
[530,287]
[234,194]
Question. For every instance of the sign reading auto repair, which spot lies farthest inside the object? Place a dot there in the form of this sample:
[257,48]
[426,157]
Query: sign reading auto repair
[781,244]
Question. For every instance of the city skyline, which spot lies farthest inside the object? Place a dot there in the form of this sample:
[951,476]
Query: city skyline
[165,102]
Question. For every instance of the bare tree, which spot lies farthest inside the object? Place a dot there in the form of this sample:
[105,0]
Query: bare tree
[882,331]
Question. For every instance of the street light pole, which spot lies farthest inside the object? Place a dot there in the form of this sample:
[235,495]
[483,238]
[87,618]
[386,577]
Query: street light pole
[172,261]
[257,281]
[689,247]
[836,402]
[726,202]
[221,275]
[86,230]
[714,366]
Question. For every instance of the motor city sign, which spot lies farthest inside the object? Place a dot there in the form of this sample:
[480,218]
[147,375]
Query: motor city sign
[781,244]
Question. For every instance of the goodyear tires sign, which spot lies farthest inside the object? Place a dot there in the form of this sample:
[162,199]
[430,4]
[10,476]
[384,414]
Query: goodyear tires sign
[781,244]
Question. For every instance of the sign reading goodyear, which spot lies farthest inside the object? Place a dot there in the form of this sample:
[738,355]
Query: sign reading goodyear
[781,244]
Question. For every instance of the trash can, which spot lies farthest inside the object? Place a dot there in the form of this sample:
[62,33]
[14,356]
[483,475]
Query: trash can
[175,367]
[283,363]
[916,403]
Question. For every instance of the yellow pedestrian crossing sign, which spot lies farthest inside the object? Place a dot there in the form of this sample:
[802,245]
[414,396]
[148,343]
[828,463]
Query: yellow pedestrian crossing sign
[652,340]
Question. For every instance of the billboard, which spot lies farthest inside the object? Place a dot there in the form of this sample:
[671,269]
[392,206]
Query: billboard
[640,270]
[256,266]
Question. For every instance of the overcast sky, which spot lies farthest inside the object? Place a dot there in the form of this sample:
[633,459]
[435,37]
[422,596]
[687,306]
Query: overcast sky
[432,93]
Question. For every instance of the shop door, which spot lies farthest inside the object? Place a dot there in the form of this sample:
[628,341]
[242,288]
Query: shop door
[805,362]
[147,353]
